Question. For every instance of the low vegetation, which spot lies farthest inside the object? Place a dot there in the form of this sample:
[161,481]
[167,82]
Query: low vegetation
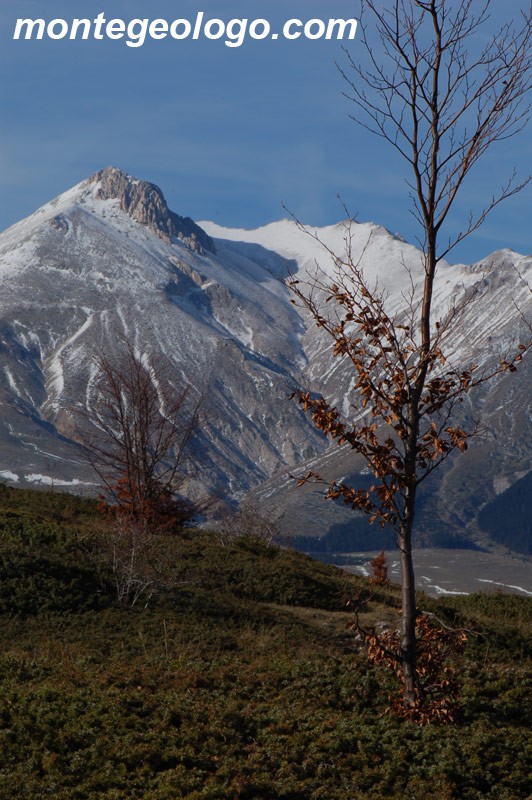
[239,679]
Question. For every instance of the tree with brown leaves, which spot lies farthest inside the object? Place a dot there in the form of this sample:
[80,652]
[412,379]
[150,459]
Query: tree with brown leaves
[379,570]
[137,433]
[139,430]
[441,105]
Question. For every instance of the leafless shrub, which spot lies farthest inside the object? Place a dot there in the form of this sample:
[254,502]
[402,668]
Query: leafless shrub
[249,521]
[136,557]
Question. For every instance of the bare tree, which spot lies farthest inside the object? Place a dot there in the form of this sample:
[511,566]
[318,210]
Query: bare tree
[250,521]
[441,107]
[133,558]
[139,433]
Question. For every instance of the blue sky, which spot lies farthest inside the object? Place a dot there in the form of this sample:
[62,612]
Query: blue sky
[229,134]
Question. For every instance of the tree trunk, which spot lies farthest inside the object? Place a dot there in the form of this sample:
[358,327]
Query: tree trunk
[408,603]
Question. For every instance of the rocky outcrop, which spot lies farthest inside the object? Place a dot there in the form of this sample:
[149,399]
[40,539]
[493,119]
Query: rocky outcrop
[144,202]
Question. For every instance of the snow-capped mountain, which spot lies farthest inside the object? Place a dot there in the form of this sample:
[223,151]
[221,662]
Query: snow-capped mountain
[109,258]
[491,327]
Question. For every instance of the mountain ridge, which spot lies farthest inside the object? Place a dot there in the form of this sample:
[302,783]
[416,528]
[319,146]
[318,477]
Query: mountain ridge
[108,256]
[82,269]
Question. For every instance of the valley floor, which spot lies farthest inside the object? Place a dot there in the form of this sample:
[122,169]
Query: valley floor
[449,572]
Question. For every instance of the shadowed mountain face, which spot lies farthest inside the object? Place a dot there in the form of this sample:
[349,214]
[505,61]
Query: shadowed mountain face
[108,258]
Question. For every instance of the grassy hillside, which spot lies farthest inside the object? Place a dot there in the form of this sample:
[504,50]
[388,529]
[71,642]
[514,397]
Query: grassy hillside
[239,681]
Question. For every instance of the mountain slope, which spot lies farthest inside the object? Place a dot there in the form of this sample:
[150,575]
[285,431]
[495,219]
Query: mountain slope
[88,267]
[242,679]
[109,258]
[491,326]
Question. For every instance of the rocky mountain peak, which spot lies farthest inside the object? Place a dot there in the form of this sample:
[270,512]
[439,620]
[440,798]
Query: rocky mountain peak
[144,202]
